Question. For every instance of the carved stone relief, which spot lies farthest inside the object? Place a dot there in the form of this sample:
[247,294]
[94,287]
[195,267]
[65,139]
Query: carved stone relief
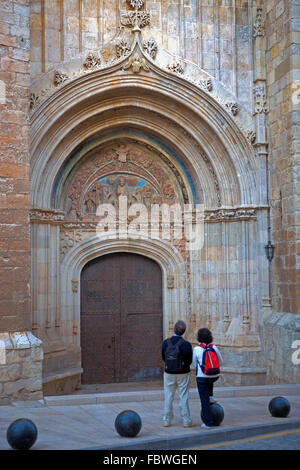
[176,67]
[122,48]
[137,63]
[151,47]
[60,78]
[233,108]
[260,100]
[92,61]
[251,136]
[206,85]
[136,19]
[259,25]
[124,169]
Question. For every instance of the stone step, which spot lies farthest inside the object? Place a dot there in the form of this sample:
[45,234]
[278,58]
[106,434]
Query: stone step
[156,395]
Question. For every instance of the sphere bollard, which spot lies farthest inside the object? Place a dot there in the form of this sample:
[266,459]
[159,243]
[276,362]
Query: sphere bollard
[128,423]
[22,434]
[279,407]
[217,414]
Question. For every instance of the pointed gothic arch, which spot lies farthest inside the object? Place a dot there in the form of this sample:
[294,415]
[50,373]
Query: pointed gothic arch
[199,136]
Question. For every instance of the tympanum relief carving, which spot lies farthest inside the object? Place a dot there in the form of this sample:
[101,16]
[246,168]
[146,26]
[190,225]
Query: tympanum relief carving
[122,170]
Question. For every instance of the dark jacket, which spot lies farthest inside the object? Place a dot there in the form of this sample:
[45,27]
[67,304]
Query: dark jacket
[185,350]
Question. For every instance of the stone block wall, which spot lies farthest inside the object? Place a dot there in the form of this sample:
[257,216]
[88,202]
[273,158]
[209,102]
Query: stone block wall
[283,83]
[14,166]
[21,357]
[21,353]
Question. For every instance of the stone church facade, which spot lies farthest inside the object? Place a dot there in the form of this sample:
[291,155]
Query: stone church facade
[185,102]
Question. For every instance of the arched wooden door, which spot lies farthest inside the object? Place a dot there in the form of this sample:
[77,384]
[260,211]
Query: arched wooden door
[121,319]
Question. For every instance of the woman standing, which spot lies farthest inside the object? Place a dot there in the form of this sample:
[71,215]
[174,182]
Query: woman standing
[207,374]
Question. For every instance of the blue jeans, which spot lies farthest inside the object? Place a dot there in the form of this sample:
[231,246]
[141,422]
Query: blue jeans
[205,389]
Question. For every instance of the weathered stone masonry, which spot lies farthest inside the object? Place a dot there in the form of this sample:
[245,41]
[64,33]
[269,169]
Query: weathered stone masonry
[20,368]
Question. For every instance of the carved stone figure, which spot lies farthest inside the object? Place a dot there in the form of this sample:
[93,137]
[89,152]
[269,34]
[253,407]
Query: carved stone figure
[136,62]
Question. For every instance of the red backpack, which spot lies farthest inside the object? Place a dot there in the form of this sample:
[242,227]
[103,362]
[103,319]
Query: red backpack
[210,361]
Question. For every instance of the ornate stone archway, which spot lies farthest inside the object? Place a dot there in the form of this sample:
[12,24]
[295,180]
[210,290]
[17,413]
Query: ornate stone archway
[138,117]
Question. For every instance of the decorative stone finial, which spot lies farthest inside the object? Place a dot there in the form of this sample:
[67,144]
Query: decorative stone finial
[136,19]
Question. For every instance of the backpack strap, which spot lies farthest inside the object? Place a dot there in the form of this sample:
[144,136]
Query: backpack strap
[177,344]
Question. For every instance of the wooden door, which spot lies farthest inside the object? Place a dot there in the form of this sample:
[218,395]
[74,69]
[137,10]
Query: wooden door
[121,319]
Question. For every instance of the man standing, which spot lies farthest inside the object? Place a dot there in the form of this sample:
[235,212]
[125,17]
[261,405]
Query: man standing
[177,355]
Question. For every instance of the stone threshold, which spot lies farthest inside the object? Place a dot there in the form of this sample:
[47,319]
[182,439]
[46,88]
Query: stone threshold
[59,375]
[156,395]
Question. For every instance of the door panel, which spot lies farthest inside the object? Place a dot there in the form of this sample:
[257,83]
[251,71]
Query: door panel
[98,349]
[143,350]
[121,319]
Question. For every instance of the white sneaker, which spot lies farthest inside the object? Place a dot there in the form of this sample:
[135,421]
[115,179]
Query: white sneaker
[205,426]
[212,400]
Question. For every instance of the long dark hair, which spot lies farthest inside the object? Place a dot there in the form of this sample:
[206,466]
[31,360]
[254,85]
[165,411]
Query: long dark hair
[204,336]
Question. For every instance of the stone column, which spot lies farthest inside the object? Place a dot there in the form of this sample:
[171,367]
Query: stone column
[21,354]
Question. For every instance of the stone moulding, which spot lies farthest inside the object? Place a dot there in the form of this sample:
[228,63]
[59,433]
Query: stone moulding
[219,214]
[228,214]
[73,233]
[46,215]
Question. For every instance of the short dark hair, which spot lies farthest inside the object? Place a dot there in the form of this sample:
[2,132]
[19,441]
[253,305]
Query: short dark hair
[204,336]
[179,327]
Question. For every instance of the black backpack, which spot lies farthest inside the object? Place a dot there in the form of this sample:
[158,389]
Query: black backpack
[173,359]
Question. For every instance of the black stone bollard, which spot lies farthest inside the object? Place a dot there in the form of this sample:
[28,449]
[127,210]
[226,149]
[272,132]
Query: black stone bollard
[128,423]
[22,434]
